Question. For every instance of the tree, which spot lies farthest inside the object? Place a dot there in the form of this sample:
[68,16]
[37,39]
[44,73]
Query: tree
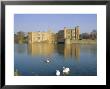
[15,38]
[84,36]
[20,36]
[93,34]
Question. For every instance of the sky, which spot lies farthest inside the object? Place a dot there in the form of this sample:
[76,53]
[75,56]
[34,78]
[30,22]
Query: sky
[54,22]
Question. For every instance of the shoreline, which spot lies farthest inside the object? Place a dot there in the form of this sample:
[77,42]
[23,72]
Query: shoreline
[84,42]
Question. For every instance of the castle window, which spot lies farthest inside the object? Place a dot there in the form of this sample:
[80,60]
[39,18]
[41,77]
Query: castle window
[38,38]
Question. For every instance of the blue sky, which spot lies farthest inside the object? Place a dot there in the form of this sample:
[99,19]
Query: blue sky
[55,22]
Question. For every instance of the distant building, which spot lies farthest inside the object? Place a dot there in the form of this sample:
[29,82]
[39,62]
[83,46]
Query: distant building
[35,37]
[68,34]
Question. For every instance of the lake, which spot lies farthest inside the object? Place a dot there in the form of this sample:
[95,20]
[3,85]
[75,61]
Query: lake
[31,59]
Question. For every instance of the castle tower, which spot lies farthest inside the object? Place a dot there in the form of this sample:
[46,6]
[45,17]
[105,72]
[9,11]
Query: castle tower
[77,32]
[29,37]
[49,30]
[64,32]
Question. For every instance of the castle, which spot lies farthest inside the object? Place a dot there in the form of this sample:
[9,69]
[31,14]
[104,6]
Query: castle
[65,35]
[38,37]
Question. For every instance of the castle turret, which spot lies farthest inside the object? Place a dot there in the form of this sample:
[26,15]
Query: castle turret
[77,32]
[64,32]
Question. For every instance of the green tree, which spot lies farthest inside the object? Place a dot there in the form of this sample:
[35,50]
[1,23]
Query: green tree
[93,34]
[20,37]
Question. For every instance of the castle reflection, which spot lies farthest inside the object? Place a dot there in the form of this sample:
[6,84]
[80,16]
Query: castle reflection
[41,49]
[68,51]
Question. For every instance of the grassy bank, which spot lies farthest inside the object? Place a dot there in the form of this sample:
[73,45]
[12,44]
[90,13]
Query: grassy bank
[84,41]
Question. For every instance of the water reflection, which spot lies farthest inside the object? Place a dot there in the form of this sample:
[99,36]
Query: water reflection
[71,51]
[44,59]
[20,48]
[90,49]
[43,49]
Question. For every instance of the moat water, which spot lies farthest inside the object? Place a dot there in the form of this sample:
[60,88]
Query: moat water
[31,59]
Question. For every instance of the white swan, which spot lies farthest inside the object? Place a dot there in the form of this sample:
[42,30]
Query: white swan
[66,70]
[47,61]
[57,72]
